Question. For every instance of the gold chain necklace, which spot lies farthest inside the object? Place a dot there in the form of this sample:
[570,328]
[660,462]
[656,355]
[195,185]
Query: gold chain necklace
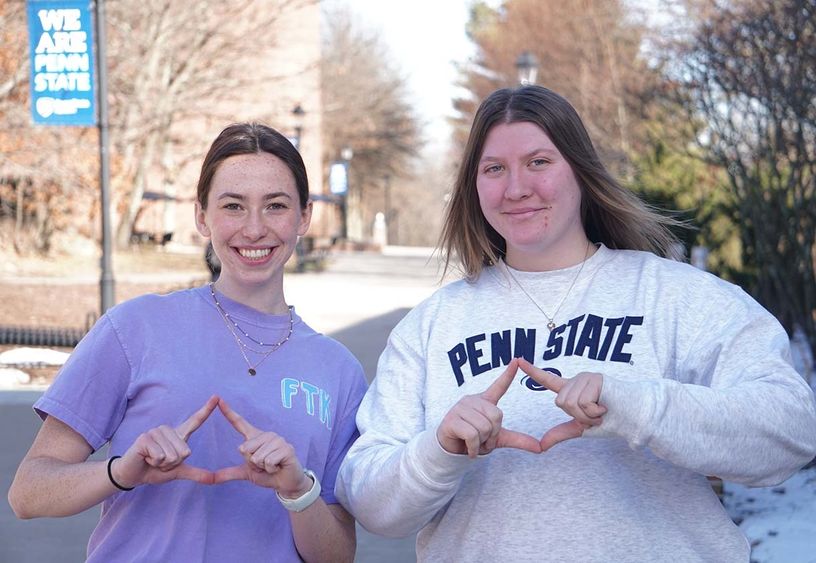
[551,318]
[229,321]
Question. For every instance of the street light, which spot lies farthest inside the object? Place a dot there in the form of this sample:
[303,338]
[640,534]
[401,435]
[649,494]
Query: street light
[339,185]
[298,114]
[388,213]
[346,154]
[527,67]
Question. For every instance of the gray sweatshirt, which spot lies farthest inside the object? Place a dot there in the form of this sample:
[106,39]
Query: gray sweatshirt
[697,381]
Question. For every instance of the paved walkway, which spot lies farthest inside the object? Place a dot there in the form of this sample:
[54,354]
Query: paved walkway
[357,301]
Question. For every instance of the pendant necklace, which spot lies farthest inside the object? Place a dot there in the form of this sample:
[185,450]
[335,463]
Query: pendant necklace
[551,318]
[232,326]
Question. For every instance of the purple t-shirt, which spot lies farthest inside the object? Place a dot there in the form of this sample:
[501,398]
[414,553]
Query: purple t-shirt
[156,360]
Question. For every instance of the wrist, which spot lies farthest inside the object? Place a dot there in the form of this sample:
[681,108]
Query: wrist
[451,446]
[439,466]
[304,500]
[305,485]
[115,478]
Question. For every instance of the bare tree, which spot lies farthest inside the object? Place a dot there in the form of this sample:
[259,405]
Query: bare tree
[172,65]
[175,61]
[13,68]
[366,108]
[42,192]
[750,73]
[588,51]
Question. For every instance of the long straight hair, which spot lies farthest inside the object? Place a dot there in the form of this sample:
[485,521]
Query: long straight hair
[610,213]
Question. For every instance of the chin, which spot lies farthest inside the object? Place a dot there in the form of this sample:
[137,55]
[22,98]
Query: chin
[526,245]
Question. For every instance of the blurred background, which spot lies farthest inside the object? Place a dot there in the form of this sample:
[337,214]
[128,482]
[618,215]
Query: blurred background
[707,108]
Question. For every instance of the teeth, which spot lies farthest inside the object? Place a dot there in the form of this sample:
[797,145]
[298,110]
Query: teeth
[254,254]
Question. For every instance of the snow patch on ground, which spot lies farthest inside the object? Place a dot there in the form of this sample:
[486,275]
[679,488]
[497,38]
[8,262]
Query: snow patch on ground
[780,522]
[38,356]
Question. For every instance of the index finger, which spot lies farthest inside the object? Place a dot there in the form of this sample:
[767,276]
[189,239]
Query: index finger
[197,419]
[545,378]
[499,387]
[238,422]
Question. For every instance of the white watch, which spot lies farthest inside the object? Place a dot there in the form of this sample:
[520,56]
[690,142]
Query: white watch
[306,499]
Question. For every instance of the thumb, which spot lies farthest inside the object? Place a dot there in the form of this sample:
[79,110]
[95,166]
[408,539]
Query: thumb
[561,433]
[196,474]
[234,473]
[518,440]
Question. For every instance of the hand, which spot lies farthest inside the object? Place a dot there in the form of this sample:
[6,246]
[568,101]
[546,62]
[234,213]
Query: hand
[474,424]
[578,397]
[270,461]
[158,455]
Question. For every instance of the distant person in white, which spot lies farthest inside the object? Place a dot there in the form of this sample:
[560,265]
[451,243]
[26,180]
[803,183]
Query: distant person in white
[640,375]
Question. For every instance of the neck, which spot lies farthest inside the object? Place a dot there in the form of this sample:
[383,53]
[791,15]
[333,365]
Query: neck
[264,298]
[552,260]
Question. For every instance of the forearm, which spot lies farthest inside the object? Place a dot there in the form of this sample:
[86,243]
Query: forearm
[756,433]
[45,486]
[396,489]
[324,533]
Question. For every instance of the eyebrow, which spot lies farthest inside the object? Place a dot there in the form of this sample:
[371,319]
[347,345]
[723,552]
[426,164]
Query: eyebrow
[533,152]
[266,197]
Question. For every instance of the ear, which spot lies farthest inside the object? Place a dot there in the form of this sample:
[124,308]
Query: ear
[305,219]
[201,221]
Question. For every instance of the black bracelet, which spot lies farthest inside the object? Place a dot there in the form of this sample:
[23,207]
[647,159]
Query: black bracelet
[110,475]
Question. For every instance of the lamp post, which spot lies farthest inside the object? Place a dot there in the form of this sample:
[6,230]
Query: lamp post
[106,280]
[298,114]
[339,184]
[387,186]
[346,154]
[527,68]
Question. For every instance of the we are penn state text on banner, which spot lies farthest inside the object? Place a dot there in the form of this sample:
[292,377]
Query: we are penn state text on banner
[62,66]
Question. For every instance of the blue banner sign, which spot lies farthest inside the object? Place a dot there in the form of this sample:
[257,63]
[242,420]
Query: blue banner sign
[62,66]
[338,178]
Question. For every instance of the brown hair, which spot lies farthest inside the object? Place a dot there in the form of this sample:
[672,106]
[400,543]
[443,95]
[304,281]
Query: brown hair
[610,213]
[251,138]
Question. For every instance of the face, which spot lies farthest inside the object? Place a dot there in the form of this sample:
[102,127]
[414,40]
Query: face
[529,195]
[253,219]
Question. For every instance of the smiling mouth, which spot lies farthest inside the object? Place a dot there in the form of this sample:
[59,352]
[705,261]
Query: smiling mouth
[254,253]
[528,210]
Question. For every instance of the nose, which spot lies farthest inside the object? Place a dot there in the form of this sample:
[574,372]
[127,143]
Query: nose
[254,227]
[516,188]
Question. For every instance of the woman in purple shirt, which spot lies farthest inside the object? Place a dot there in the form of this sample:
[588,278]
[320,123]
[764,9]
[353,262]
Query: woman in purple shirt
[226,415]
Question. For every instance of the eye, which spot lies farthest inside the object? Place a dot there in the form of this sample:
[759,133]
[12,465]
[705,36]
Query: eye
[538,162]
[231,206]
[493,169]
[277,206]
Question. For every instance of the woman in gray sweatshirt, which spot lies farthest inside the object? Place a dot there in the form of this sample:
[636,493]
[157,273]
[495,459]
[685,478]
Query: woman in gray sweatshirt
[567,399]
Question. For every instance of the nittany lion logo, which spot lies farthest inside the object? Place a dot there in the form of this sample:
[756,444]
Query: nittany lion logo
[534,385]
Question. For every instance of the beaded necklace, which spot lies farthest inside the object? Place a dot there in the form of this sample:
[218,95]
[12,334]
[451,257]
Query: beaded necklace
[232,326]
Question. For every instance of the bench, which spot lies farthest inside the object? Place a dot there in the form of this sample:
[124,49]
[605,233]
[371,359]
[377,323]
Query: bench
[311,252]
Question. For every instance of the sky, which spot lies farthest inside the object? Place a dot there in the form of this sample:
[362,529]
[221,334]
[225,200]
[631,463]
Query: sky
[424,37]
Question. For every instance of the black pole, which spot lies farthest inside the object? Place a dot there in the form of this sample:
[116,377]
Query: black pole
[344,208]
[387,179]
[106,281]
[344,213]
